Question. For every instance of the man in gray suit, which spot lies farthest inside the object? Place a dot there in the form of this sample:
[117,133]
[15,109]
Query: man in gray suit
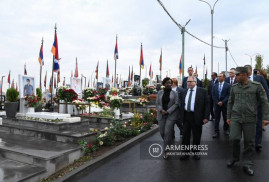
[167,112]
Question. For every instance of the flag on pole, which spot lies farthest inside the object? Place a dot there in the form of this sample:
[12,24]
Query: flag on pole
[13,84]
[50,85]
[116,53]
[150,71]
[96,71]
[58,77]
[54,51]
[161,60]
[132,74]
[107,70]
[25,71]
[180,65]
[45,81]
[76,70]
[40,58]
[204,59]
[54,82]
[141,62]
[8,78]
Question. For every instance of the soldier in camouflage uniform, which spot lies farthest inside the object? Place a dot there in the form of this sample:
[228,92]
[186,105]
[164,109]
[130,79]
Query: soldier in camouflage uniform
[241,116]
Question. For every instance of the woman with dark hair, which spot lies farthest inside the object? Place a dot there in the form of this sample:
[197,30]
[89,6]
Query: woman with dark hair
[167,112]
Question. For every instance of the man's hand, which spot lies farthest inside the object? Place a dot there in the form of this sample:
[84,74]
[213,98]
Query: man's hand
[164,112]
[264,123]
[220,104]
[205,121]
[229,121]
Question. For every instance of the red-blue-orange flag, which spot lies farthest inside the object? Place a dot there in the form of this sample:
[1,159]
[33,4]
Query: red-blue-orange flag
[180,65]
[141,62]
[40,57]
[116,53]
[54,51]
[161,60]
[107,70]
[8,78]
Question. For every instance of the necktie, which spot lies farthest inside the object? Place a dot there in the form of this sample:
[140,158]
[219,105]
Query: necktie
[231,81]
[220,90]
[189,102]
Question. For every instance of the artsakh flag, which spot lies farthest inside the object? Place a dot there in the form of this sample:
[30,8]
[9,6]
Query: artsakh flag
[180,65]
[141,62]
[96,71]
[54,51]
[8,78]
[150,71]
[116,53]
[161,60]
[40,58]
[45,81]
[76,70]
[107,70]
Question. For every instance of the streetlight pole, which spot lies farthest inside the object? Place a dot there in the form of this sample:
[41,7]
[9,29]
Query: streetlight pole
[226,49]
[2,91]
[251,57]
[183,46]
[212,13]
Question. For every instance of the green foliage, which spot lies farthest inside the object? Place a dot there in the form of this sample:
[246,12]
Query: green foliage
[145,82]
[39,93]
[12,95]
[259,62]
[206,83]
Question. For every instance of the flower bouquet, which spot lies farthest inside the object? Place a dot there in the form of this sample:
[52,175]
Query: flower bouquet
[116,102]
[79,107]
[143,101]
[114,92]
[88,92]
[69,95]
[32,101]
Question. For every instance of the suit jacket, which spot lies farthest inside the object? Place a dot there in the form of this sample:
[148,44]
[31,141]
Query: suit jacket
[201,107]
[173,109]
[228,80]
[184,83]
[211,84]
[225,93]
[260,79]
[180,92]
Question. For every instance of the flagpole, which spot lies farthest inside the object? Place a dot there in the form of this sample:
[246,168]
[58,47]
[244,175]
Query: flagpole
[115,84]
[40,84]
[53,57]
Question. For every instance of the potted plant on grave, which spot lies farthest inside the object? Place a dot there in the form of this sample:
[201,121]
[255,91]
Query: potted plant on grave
[115,103]
[32,102]
[39,94]
[12,104]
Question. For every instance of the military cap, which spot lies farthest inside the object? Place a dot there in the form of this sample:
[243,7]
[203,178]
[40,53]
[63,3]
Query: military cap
[239,70]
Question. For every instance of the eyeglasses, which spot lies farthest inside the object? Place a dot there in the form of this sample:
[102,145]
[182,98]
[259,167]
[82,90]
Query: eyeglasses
[190,81]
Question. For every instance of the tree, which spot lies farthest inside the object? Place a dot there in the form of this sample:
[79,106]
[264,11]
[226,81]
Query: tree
[259,61]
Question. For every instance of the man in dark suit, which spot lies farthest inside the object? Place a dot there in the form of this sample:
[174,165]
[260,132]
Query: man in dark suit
[220,96]
[213,81]
[231,79]
[260,79]
[194,113]
[184,83]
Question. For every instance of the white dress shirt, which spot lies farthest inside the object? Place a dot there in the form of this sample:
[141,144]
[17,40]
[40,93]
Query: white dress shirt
[192,98]
[174,88]
[251,77]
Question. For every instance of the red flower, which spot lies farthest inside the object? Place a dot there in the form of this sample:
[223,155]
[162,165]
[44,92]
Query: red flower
[90,146]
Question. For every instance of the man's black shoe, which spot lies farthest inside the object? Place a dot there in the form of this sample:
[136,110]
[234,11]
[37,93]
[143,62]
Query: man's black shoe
[216,135]
[258,147]
[248,170]
[231,163]
[184,157]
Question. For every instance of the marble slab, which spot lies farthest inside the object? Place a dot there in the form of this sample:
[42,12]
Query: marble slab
[72,120]
[48,115]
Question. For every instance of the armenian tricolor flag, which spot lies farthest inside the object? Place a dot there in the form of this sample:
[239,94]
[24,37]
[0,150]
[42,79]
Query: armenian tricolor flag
[40,58]
[54,51]
[141,62]
[116,52]
[180,65]
[8,78]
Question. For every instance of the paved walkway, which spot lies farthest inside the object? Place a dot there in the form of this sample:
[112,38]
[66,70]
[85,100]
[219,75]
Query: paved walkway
[131,166]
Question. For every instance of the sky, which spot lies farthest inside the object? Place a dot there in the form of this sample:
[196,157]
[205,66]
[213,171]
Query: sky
[87,30]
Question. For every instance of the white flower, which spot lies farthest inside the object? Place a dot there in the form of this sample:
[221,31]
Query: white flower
[111,124]
[124,126]
[101,143]
[106,128]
